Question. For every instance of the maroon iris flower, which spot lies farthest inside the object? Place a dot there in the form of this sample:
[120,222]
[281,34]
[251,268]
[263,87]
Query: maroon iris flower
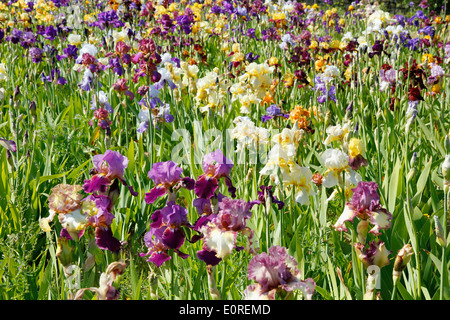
[215,167]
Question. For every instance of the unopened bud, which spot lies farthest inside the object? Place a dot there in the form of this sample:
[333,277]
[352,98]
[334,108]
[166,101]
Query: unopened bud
[440,236]
[25,139]
[447,143]
[16,93]
[446,170]
[362,229]
[215,294]
[401,260]
[413,159]
[153,279]
[64,251]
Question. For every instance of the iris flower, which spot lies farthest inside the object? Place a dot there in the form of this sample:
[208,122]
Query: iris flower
[215,167]
[365,204]
[220,230]
[166,233]
[276,272]
[167,179]
[107,167]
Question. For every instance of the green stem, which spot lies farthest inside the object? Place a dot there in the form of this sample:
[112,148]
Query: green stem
[394,292]
[443,282]
[224,273]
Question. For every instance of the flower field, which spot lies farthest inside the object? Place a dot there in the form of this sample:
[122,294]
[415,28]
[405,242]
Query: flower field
[224,150]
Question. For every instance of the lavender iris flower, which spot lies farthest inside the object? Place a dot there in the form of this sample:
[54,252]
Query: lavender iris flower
[272,112]
[167,179]
[166,233]
[327,94]
[107,168]
[365,204]
[276,272]
[215,167]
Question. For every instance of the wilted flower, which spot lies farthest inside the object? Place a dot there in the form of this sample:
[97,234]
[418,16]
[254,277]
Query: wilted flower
[356,159]
[106,290]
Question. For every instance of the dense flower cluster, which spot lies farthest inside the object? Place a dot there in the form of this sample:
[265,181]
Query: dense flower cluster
[303,103]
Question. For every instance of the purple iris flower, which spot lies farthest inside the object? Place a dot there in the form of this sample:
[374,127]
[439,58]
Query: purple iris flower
[185,21]
[116,66]
[55,74]
[215,167]
[69,52]
[36,54]
[327,94]
[16,36]
[107,19]
[428,30]
[412,44]
[400,19]
[272,112]
[167,179]
[216,9]
[102,221]
[28,39]
[50,33]
[266,194]
[250,57]
[166,233]
[107,167]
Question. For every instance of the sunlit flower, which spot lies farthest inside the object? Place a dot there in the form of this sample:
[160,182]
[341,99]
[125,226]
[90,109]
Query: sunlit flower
[276,272]
[374,253]
[167,179]
[337,163]
[365,204]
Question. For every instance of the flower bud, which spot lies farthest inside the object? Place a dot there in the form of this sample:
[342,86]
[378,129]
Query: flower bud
[440,236]
[64,251]
[153,279]
[215,294]
[362,228]
[401,260]
[446,171]
[447,142]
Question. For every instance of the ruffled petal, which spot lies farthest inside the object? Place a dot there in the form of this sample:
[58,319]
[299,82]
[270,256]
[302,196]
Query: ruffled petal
[348,214]
[154,194]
